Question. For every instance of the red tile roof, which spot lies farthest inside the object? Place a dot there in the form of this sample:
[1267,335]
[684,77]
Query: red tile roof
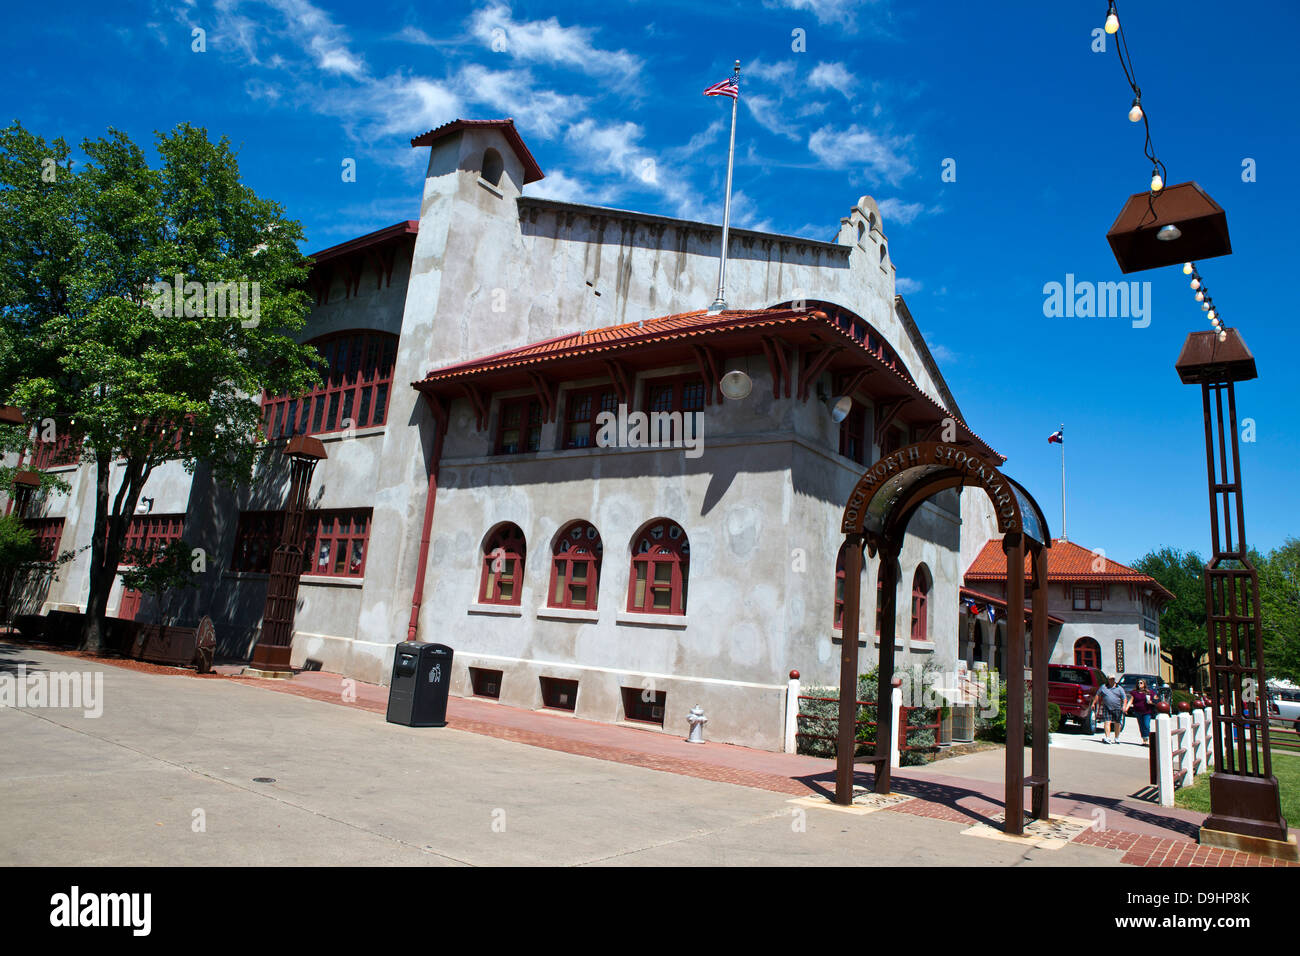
[682,326]
[532,172]
[1066,561]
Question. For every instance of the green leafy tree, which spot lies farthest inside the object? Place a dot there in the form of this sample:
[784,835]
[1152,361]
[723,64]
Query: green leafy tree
[1279,595]
[1182,622]
[95,335]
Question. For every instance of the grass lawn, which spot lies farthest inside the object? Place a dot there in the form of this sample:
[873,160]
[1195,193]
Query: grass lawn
[1286,767]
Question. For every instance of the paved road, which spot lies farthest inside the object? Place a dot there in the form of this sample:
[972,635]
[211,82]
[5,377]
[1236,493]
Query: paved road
[130,786]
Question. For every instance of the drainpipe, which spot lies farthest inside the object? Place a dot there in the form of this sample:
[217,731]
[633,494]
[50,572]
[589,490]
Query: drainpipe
[440,422]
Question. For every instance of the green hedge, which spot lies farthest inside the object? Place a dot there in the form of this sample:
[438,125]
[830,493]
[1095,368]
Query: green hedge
[822,717]
[995,728]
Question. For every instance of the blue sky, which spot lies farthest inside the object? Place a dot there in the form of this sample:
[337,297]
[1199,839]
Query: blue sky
[607,95]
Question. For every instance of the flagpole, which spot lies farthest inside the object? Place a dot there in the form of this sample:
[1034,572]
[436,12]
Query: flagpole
[1064,537]
[720,302]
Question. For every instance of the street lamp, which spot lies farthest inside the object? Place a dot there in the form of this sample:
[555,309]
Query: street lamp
[1245,804]
[275,642]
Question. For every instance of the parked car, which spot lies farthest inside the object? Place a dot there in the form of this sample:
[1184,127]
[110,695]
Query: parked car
[1072,687]
[1284,706]
[1129,683]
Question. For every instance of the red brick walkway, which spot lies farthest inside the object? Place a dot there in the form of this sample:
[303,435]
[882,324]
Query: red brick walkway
[1158,837]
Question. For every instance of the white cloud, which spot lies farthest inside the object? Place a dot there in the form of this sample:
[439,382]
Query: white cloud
[765,112]
[768,72]
[546,41]
[941,353]
[832,76]
[904,286]
[881,157]
[843,12]
[562,187]
[895,210]
[513,93]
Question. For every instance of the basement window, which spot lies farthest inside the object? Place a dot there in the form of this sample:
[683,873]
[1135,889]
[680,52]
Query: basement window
[559,694]
[485,682]
[643,705]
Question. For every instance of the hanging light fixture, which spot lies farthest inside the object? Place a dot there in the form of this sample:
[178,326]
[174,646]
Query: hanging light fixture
[736,385]
[1135,114]
[1168,233]
[1188,268]
[1112,19]
[1157,182]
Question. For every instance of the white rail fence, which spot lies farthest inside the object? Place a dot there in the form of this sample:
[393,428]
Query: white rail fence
[1182,749]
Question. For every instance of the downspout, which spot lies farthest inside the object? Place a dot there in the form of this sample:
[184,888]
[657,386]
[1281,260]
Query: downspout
[431,495]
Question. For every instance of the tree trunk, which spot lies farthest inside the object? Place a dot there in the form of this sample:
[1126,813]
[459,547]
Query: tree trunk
[106,545]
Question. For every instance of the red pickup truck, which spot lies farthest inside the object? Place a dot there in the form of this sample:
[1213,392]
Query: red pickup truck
[1072,688]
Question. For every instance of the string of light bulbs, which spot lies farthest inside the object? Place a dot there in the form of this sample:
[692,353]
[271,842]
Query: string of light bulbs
[1159,174]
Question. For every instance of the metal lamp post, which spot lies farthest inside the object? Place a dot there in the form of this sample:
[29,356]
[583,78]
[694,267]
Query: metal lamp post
[274,643]
[1245,806]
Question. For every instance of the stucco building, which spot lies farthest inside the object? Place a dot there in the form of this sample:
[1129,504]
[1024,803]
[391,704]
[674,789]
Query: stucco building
[474,495]
[1102,613]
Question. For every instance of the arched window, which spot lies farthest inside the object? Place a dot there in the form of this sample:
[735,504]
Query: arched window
[1087,652]
[575,567]
[920,604]
[357,377]
[493,167]
[839,589]
[503,566]
[661,556]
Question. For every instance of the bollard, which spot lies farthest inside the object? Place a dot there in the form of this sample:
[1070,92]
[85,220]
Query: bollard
[792,713]
[1164,758]
[697,720]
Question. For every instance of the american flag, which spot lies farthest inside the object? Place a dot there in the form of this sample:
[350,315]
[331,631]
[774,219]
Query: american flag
[727,87]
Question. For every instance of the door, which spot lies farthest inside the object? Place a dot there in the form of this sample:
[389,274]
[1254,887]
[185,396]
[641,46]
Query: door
[129,606]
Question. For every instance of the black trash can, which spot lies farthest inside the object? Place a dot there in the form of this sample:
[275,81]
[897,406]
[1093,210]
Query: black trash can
[417,693]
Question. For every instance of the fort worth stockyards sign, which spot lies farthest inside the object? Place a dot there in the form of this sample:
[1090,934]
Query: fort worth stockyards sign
[912,467]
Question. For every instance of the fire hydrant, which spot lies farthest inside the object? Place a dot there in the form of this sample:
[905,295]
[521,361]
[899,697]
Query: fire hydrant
[697,720]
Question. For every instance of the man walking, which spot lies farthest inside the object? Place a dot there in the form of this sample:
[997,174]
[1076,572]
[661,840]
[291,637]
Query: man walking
[1113,704]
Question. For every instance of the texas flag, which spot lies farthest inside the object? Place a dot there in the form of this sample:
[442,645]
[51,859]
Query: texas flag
[1057,437]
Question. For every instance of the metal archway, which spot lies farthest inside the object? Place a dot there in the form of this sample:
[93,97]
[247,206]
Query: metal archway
[877,515]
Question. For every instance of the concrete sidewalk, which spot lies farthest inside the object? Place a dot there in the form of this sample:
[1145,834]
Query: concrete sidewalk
[212,730]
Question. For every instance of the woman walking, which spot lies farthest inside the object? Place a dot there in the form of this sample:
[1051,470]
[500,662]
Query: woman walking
[1144,708]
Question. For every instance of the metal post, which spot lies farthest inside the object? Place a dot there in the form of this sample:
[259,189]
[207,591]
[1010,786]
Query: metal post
[1038,628]
[846,742]
[1014,546]
[720,302]
[885,671]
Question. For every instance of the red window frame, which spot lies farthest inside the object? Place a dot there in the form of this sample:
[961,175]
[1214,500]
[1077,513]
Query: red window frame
[920,606]
[661,557]
[64,450]
[149,533]
[1091,598]
[580,410]
[853,435]
[1087,652]
[257,535]
[880,601]
[503,564]
[522,419]
[337,543]
[839,590]
[356,384]
[575,568]
[677,393]
[48,532]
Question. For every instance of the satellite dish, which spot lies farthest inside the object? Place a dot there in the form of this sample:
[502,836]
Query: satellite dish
[736,385]
[840,408]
